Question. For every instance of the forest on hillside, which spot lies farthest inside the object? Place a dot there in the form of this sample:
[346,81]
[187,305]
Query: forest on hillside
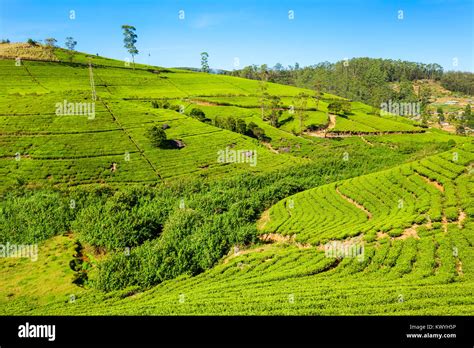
[366,80]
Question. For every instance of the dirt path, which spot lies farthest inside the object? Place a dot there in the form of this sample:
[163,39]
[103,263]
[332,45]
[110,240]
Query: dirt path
[407,233]
[366,141]
[461,218]
[270,147]
[432,182]
[203,103]
[279,238]
[350,200]
[322,133]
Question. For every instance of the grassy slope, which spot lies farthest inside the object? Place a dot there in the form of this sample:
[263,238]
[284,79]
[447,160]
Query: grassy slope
[414,275]
[71,149]
[29,125]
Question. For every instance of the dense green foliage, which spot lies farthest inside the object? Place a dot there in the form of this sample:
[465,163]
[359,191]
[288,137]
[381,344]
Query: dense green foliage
[458,81]
[157,136]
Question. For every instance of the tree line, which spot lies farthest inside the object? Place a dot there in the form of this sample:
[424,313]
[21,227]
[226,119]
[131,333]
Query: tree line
[362,79]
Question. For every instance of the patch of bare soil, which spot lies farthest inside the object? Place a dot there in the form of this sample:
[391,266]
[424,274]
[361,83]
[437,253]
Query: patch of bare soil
[366,141]
[461,218]
[235,253]
[459,267]
[323,133]
[203,103]
[270,147]
[432,182]
[409,232]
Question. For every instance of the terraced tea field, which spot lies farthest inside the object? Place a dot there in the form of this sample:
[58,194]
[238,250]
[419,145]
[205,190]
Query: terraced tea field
[417,257]
[340,215]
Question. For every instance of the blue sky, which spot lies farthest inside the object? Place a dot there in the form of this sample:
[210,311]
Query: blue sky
[255,32]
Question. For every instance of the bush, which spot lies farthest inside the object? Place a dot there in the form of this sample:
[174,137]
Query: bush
[451,213]
[256,132]
[174,108]
[20,217]
[31,42]
[157,136]
[156,104]
[198,114]
[126,219]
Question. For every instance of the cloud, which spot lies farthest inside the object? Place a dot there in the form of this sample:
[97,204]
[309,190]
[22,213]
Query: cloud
[207,21]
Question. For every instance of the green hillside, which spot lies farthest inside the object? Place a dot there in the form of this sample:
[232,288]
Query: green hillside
[208,236]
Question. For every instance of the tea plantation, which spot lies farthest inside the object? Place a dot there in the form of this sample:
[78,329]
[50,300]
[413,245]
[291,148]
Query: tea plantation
[338,214]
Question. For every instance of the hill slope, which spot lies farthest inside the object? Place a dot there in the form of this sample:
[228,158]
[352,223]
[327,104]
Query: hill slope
[191,219]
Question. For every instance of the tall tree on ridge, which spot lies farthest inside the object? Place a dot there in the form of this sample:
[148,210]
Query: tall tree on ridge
[204,62]
[129,40]
[70,44]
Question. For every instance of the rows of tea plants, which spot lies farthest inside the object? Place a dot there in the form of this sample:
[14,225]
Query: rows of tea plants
[403,277]
[389,201]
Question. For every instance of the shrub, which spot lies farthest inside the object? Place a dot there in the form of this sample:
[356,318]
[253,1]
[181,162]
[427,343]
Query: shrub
[20,217]
[241,126]
[256,132]
[174,108]
[451,213]
[31,42]
[197,114]
[126,219]
[156,104]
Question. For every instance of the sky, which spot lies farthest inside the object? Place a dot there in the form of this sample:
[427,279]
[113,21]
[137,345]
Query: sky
[237,33]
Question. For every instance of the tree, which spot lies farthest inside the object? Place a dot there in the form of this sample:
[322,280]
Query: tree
[262,91]
[204,62]
[157,136]
[31,42]
[129,40]
[70,44]
[241,126]
[346,107]
[50,42]
[256,132]
[440,113]
[468,117]
[278,67]
[460,129]
[231,124]
[301,103]
[317,98]
[198,114]
[334,107]
[263,72]
[275,110]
